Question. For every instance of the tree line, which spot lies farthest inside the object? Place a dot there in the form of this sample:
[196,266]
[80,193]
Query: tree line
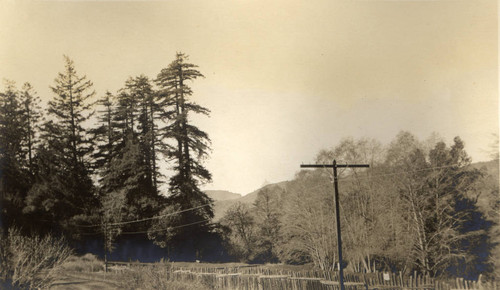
[415,209]
[87,165]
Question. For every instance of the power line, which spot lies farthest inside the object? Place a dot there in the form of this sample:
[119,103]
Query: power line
[150,218]
[402,172]
[90,234]
[160,216]
[143,232]
[162,230]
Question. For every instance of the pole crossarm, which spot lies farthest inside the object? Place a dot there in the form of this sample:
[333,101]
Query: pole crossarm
[331,165]
[334,165]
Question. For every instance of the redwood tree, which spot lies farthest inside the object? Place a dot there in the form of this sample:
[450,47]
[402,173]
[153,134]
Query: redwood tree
[190,144]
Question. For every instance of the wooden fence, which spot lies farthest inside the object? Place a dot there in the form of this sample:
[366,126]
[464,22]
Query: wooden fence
[262,277]
[255,278]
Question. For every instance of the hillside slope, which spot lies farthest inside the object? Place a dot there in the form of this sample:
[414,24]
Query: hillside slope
[222,195]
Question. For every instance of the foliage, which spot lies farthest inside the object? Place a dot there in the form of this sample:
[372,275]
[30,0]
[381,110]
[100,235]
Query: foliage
[165,227]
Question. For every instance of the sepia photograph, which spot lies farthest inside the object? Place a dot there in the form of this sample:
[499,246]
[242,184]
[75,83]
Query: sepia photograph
[249,144]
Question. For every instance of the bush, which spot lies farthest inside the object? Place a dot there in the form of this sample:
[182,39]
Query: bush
[29,262]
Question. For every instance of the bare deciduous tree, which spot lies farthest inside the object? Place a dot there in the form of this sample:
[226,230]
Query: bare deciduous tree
[240,221]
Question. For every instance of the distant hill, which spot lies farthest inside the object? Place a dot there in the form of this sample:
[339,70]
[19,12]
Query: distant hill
[251,197]
[223,204]
[491,167]
[222,195]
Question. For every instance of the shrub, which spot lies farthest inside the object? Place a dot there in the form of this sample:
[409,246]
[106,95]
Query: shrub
[29,262]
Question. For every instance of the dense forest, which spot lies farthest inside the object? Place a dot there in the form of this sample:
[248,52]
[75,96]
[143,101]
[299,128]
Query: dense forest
[89,168]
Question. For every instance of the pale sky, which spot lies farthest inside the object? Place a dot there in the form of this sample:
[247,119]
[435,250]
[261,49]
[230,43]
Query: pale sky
[284,78]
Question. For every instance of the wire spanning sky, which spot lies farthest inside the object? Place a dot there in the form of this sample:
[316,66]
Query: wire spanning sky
[283,78]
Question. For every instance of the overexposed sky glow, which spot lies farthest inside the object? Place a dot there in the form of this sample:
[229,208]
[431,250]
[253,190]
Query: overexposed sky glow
[284,79]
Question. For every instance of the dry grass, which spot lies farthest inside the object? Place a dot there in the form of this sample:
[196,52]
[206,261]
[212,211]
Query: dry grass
[157,276]
[87,263]
[154,276]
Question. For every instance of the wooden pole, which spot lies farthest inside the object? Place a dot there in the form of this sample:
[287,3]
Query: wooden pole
[334,165]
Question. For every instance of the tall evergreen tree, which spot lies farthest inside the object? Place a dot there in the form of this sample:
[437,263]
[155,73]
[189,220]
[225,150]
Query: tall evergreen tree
[64,191]
[71,107]
[191,144]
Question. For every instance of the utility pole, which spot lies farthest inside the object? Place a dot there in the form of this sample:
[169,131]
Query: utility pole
[105,246]
[334,165]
